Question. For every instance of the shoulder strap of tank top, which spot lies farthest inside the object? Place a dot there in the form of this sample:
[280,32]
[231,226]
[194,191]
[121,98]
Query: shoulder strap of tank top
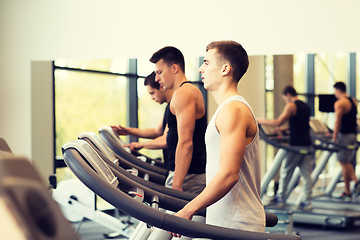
[185,82]
[351,101]
[235,98]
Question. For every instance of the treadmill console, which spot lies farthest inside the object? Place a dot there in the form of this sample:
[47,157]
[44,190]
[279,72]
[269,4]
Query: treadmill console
[28,211]
[269,130]
[318,127]
[99,144]
[93,159]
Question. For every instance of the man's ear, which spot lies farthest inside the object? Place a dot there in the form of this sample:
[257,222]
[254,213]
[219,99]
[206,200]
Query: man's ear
[174,68]
[226,69]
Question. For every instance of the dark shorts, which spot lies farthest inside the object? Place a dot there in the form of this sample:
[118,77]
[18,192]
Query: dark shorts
[194,183]
[344,155]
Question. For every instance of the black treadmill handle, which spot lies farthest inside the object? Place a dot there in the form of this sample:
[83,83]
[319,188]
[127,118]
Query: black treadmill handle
[302,151]
[337,145]
[321,147]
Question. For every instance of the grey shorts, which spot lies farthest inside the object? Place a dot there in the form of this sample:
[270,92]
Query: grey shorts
[344,155]
[194,183]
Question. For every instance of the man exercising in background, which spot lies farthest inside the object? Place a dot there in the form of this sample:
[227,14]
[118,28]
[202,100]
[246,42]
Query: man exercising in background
[345,132]
[186,122]
[298,114]
[158,134]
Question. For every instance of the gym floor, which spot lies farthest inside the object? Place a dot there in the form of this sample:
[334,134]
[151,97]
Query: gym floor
[92,231]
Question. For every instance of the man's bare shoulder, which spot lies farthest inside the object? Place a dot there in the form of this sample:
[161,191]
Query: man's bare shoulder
[182,97]
[187,92]
[235,110]
[340,103]
[290,107]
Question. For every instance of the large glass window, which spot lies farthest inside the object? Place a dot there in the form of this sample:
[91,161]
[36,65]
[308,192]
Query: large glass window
[329,68]
[85,101]
[299,72]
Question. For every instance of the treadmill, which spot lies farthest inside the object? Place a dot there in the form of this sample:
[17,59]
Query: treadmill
[114,142]
[28,211]
[318,215]
[110,160]
[125,159]
[4,146]
[89,168]
[322,133]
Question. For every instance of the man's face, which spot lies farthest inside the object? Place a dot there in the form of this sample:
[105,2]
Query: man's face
[285,97]
[164,76]
[156,94]
[337,93]
[211,70]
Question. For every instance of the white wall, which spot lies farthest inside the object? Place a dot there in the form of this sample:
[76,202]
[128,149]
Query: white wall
[48,29]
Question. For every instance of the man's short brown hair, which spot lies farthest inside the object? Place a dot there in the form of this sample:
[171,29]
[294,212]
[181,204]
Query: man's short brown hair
[233,53]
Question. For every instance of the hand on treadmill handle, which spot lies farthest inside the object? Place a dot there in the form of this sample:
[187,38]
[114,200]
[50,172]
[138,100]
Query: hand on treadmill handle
[134,146]
[120,130]
[183,214]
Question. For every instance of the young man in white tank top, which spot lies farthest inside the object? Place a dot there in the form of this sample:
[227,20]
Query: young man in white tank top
[232,194]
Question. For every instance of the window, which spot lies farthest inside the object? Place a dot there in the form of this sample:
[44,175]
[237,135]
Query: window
[299,72]
[92,93]
[85,101]
[329,68]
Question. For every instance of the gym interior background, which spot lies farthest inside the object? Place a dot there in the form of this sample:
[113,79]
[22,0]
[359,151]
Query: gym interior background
[311,44]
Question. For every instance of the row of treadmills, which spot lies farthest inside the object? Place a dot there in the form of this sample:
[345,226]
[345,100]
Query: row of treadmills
[328,208]
[135,185]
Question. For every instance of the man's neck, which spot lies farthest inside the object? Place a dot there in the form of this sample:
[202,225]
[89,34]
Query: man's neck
[224,92]
[178,81]
[293,99]
[168,95]
[345,95]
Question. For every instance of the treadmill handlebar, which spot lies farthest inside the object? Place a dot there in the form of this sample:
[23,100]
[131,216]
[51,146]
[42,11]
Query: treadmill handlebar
[276,143]
[336,145]
[114,143]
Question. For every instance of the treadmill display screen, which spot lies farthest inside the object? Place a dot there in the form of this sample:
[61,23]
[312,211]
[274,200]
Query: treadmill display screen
[326,102]
[100,166]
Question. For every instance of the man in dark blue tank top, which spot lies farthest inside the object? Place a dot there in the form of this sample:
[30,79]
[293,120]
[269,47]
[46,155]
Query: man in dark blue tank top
[186,121]
[345,131]
[158,134]
[297,113]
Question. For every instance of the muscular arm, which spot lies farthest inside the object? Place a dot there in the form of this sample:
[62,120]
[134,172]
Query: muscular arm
[232,125]
[150,133]
[289,110]
[339,112]
[184,107]
[157,143]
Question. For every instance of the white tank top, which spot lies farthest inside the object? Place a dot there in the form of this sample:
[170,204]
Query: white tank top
[241,208]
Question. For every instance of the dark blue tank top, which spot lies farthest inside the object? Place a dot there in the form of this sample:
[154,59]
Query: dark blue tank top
[299,125]
[165,119]
[348,121]
[198,160]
